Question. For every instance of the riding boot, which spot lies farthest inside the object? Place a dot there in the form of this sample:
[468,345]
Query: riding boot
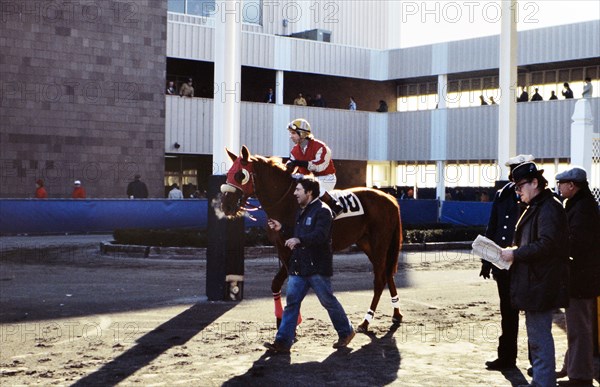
[333,204]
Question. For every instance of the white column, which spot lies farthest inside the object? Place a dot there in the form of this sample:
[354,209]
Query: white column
[507,120]
[228,76]
[440,191]
[442,90]
[279,87]
[581,135]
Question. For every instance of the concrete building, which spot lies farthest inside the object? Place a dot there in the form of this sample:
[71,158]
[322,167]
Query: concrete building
[116,120]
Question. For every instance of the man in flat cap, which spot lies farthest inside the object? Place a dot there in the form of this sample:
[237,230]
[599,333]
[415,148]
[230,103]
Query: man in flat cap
[584,271]
[506,210]
[538,274]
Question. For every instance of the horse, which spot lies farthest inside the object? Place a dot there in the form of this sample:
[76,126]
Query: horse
[377,232]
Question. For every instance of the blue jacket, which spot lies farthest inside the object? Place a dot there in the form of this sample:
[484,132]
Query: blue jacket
[314,254]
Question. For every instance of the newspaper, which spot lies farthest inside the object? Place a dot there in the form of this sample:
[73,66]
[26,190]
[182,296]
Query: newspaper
[488,250]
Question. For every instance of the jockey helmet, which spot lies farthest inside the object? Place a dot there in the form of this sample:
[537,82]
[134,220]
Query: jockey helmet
[301,127]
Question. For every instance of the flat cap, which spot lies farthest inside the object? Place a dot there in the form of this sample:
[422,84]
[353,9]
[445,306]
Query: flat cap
[576,174]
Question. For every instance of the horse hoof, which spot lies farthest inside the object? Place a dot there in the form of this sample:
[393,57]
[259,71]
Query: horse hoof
[362,328]
[396,320]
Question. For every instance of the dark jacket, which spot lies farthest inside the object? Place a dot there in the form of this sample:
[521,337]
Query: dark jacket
[137,189]
[504,216]
[584,244]
[314,255]
[539,273]
[506,209]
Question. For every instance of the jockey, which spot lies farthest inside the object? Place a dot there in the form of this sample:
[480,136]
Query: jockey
[313,156]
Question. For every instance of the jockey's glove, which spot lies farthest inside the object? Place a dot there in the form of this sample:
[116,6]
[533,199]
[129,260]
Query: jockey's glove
[296,163]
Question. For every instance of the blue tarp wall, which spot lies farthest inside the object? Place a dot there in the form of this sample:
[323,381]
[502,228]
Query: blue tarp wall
[30,216]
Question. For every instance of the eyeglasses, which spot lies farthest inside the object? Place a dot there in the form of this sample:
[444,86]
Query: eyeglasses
[519,187]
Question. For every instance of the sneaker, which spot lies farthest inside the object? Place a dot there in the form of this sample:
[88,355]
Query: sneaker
[499,365]
[341,343]
[277,347]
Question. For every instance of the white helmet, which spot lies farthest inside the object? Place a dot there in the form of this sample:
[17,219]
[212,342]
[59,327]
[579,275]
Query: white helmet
[301,127]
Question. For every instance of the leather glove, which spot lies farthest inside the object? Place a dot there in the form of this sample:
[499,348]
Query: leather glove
[296,163]
[486,268]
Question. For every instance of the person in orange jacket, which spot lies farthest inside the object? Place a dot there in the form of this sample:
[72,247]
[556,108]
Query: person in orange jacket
[40,191]
[78,190]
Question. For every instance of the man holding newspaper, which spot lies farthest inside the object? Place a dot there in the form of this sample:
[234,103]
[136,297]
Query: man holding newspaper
[539,273]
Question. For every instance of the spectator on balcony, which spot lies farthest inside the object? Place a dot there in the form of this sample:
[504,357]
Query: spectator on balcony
[40,191]
[171,90]
[300,101]
[78,190]
[524,97]
[352,104]
[552,96]
[270,96]
[408,195]
[536,96]
[567,92]
[492,101]
[175,192]
[187,90]
[318,101]
[483,103]
[588,89]
[383,107]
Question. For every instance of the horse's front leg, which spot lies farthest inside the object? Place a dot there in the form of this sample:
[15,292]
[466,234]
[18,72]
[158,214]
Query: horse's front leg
[276,286]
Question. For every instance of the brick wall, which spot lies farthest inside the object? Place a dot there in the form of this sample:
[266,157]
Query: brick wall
[81,95]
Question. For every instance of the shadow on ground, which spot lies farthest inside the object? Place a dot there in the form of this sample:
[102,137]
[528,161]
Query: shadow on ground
[352,367]
[175,332]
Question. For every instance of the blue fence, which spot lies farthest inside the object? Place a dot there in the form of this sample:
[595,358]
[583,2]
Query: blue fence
[30,216]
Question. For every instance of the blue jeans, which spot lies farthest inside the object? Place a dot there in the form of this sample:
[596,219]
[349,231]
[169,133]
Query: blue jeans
[541,347]
[297,289]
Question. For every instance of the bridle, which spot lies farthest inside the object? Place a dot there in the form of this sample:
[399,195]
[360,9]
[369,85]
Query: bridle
[248,189]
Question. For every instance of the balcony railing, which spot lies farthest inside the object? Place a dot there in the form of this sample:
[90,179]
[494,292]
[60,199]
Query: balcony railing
[543,129]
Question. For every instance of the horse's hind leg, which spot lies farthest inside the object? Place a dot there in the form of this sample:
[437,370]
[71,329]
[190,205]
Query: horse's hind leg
[378,285]
[397,316]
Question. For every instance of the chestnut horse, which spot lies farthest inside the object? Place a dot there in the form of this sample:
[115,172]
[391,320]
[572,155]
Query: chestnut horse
[378,232]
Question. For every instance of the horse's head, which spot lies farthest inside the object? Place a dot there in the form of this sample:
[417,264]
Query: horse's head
[239,185]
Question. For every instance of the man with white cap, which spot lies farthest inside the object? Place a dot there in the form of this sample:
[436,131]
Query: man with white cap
[584,271]
[506,210]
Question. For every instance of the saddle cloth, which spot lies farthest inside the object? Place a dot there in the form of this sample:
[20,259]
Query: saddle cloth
[348,200]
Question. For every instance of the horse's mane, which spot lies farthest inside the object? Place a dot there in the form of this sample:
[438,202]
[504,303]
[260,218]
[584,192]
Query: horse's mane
[274,163]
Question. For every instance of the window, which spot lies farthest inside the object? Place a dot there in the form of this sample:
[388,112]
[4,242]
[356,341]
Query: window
[251,9]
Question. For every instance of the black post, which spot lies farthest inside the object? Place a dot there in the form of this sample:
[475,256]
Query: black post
[225,252]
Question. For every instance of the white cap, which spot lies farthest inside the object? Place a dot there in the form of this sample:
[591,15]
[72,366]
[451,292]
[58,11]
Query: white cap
[77,182]
[519,159]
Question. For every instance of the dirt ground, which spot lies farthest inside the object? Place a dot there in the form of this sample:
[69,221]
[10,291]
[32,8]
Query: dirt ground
[71,316]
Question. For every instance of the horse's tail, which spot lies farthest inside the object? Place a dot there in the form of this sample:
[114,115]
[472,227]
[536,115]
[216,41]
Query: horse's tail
[395,246]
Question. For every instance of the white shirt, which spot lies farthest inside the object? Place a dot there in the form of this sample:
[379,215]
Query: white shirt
[175,193]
